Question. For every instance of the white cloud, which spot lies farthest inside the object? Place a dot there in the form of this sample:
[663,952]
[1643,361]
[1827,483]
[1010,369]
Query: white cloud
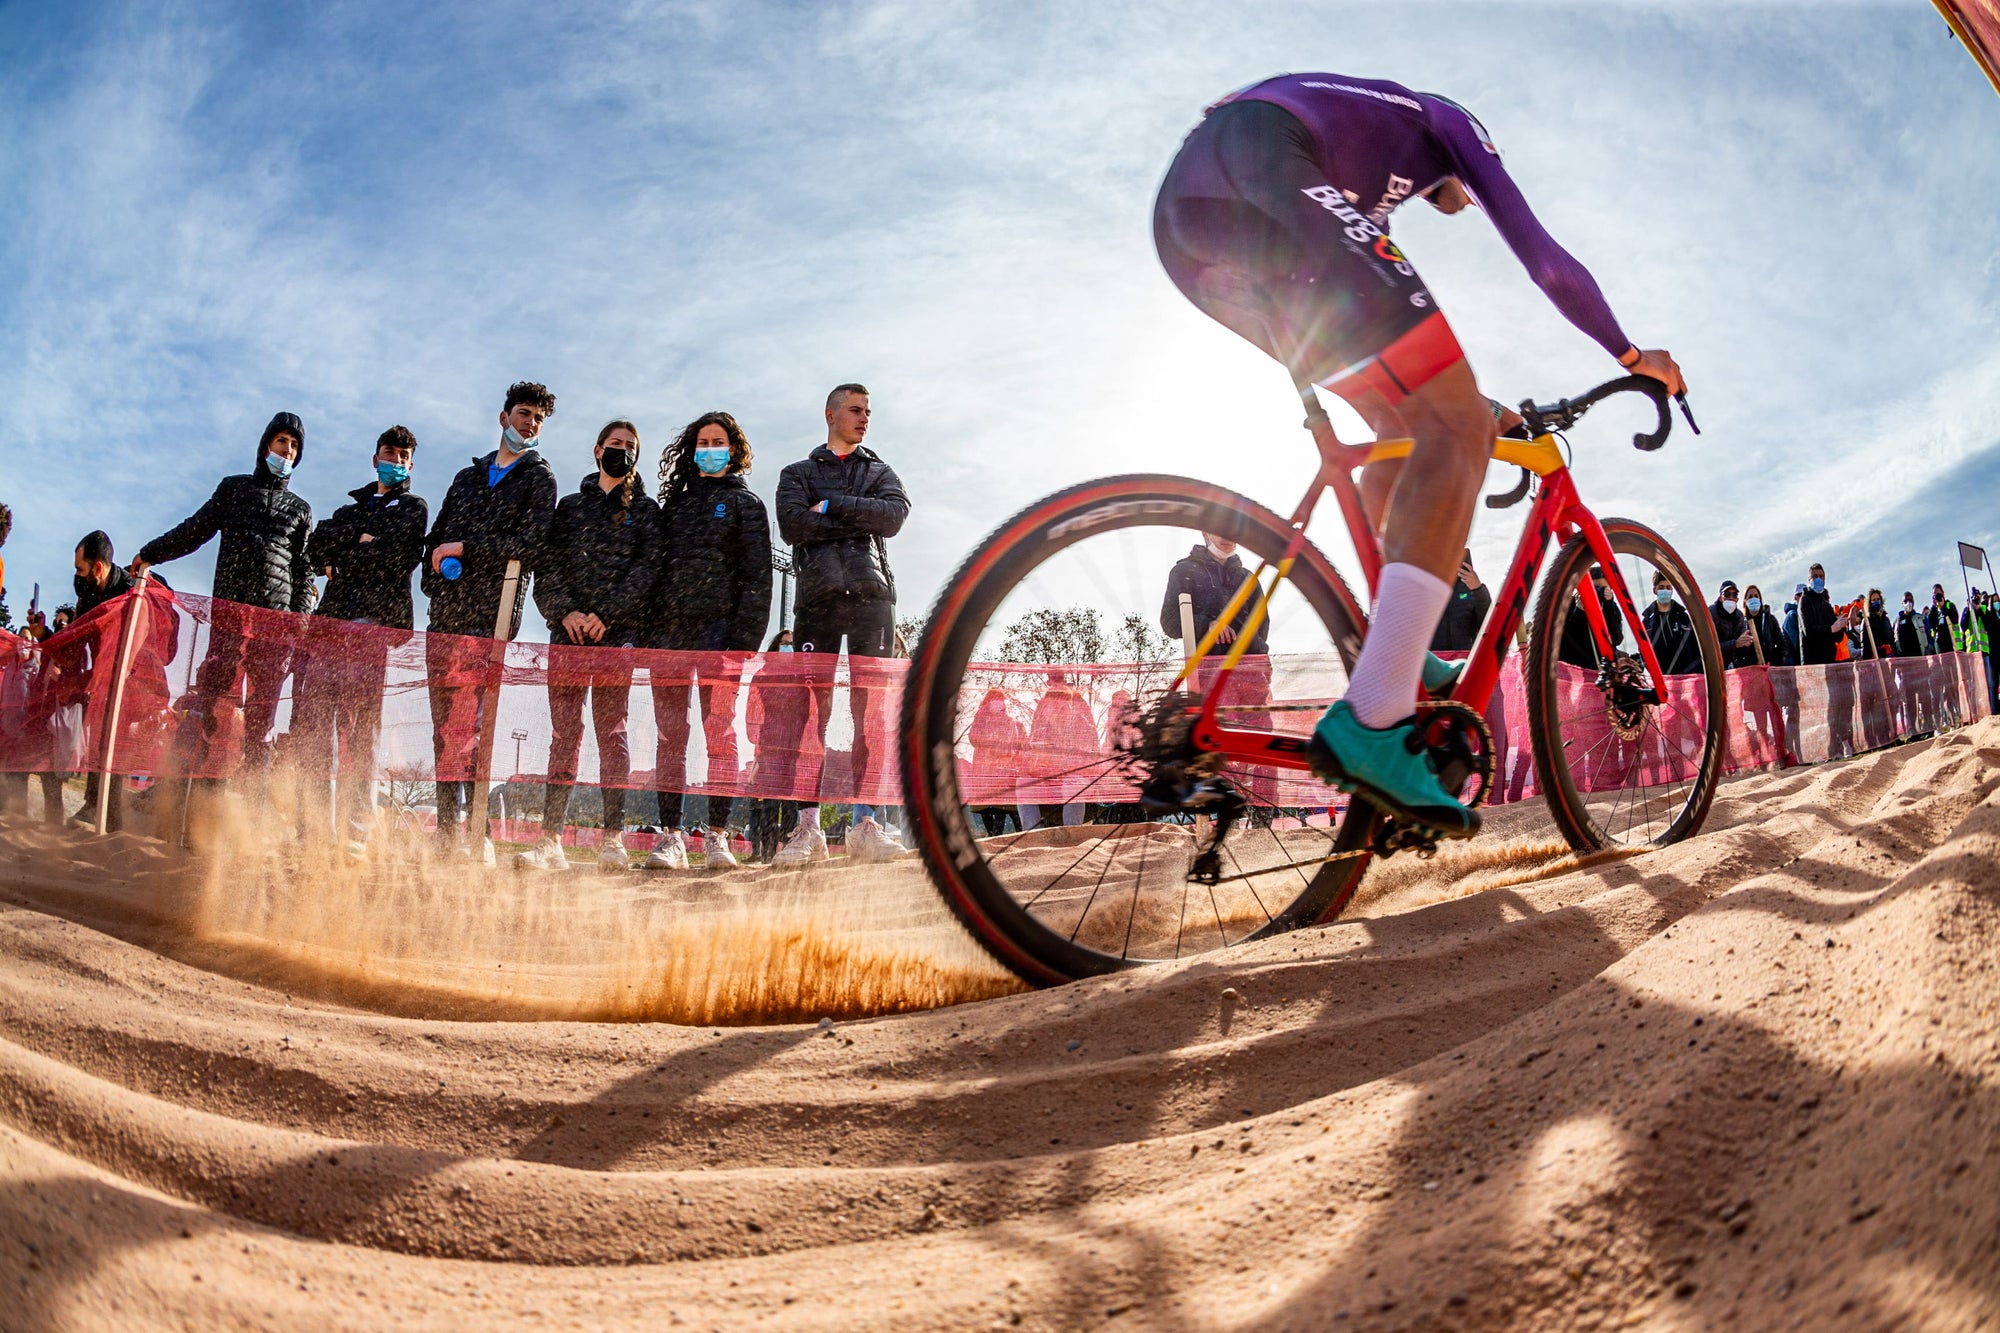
[369,217]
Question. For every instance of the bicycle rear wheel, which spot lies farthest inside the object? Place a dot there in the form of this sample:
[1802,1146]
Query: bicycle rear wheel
[1619,771]
[1021,804]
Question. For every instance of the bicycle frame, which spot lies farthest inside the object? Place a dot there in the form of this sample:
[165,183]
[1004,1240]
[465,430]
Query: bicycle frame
[1557,514]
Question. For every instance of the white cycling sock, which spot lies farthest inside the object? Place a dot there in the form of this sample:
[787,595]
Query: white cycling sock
[1408,604]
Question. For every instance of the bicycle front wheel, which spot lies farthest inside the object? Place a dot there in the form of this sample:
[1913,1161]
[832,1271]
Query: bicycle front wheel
[1619,768]
[1040,653]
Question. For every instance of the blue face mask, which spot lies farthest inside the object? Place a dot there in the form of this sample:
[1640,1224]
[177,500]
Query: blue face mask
[1753,604]
[515,444]
[784,647]
[1819,585]
[279,467]
[391,474]
[1665,596]
[712,462]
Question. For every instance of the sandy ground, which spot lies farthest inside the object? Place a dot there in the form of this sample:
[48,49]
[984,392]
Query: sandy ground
[1751,1082]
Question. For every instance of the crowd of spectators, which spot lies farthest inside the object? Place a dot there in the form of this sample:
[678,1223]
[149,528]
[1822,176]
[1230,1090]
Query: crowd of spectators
[688,567]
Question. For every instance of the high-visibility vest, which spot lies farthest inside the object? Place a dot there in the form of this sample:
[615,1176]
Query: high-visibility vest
[1975,632]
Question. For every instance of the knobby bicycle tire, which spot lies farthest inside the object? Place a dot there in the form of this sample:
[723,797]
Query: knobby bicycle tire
[1567,804]
[938,817]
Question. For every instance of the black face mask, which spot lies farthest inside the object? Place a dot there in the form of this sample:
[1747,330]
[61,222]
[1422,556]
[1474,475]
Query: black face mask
[85,585]
[616,463]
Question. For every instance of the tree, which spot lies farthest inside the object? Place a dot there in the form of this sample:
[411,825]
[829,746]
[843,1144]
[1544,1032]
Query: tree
[1055,637]
[1136,640]
[909,629]
[410,785]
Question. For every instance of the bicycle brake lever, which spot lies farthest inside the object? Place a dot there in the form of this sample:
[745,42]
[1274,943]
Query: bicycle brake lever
[1681,399]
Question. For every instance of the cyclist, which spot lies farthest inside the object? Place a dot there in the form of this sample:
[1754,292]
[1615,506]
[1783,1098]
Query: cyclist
[1274,220]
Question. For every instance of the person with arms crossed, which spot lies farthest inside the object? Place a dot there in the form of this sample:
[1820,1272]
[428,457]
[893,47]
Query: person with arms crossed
[1273,219]
[368,550]
[837,508]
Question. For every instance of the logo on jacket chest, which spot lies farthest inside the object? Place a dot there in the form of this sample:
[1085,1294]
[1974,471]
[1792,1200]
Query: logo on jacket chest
[722,509]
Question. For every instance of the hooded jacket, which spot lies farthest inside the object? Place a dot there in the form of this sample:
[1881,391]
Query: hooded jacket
[716,539]
[497,524]
[371,580]
[264,529]
[600,561]
[1209,583]
[843,552]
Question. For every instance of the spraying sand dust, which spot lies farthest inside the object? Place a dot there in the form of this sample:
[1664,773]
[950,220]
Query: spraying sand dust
[1746,1082]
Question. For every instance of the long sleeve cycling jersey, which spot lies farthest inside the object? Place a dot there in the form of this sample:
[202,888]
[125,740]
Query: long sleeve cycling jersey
[1380,144]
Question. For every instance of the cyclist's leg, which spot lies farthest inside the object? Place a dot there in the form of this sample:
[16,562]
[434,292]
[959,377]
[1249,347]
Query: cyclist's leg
[1252,232]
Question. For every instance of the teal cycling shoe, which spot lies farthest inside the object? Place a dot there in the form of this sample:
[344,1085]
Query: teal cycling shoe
[1440,676]
[1389,767]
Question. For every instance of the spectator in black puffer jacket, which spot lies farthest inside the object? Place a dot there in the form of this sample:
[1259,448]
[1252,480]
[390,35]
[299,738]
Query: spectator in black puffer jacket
[497,509]
[368,550]
[837,508]
[1210,573]
[262,563]
[1671,630]
[714,596]
[598,564]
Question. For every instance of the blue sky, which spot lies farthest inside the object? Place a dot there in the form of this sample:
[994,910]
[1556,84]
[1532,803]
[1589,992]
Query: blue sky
[372,213]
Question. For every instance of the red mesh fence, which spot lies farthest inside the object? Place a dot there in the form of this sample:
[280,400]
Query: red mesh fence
[215,688]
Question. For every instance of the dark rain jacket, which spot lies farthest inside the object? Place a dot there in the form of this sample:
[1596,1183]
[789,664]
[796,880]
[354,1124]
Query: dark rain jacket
[1458,627]
[716,539]
[264,529]
[1209,583]
[1816,617]
[601,558]
[497,524]
[844,551]
[1729,626]
[371,580]
[1674,642]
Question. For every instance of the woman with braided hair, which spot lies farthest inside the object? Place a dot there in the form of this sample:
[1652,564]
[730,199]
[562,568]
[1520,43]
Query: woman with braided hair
[713,596]
[592,585]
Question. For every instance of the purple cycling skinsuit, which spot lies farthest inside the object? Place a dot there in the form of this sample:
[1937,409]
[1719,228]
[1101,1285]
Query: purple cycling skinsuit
[1274,217]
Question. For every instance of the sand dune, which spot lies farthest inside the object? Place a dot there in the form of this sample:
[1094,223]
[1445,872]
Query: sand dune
[1752,1081]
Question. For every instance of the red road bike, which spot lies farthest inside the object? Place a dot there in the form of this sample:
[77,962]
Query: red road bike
[1173,812]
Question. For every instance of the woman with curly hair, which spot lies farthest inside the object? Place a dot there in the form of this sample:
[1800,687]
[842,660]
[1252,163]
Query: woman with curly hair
[713,595]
